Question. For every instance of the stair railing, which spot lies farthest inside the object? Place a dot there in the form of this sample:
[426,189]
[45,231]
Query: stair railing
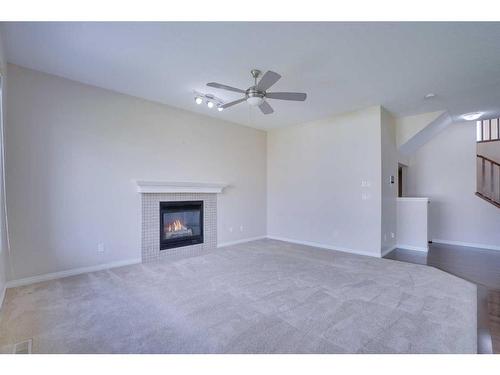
[488,180]
[488,130]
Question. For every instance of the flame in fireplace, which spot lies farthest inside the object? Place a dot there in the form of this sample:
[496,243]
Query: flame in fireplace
[175,226]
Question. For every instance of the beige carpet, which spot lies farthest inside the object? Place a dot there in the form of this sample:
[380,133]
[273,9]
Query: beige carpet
[260,297]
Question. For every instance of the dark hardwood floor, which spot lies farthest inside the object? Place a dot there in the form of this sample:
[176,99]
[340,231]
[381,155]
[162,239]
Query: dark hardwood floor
[494,315]
[479,266]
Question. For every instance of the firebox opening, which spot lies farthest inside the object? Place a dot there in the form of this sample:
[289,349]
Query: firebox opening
[181,224]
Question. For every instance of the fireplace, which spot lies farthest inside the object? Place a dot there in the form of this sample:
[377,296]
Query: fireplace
[181,223]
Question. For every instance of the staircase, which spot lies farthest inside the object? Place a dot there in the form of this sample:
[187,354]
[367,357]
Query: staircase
[488,161]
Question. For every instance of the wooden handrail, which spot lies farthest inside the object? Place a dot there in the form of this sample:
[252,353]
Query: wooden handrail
[488,159]
[489,140]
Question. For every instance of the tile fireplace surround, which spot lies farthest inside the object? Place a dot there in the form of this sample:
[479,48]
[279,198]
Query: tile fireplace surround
[152,193]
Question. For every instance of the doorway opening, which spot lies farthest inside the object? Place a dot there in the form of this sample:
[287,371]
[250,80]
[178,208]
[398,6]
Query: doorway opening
[402,175]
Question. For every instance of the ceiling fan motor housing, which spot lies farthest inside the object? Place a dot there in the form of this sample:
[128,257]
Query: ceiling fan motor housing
[254,96]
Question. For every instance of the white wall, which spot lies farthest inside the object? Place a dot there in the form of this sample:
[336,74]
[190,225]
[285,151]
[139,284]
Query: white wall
[389,155]
[490,150]
[3,233]
[444,170]
[73,151]
[315,173]
[408,126]
[412,223]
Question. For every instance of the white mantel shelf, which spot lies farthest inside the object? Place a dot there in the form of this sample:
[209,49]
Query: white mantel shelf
[178,187]
[413,199]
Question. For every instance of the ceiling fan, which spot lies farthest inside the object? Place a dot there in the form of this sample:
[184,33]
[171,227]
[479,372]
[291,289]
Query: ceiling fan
[256,94]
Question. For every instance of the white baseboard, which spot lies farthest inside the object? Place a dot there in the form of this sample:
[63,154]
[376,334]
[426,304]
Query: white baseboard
[325,246]
[467,244]
[410,247]
[385,252]
[100,267]
[72,272]
[230,243]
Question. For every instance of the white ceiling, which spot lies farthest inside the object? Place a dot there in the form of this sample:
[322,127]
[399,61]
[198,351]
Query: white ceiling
[341,66]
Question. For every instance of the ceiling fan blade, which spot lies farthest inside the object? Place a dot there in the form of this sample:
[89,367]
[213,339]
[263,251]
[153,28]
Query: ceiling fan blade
[266,108]
[298,96]
[267,80]
[230,104]
[224,87]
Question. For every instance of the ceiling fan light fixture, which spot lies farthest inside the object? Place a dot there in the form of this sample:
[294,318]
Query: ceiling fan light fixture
[198,100]
[220,109]
[255,101]
[210,104]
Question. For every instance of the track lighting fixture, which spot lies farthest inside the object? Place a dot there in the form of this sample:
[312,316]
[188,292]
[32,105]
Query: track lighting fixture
[211,100]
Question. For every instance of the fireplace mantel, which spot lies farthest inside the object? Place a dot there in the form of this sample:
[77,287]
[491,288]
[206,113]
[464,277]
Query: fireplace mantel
[178,187]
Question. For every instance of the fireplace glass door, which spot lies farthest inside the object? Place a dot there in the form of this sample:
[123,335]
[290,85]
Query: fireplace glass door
[181,223]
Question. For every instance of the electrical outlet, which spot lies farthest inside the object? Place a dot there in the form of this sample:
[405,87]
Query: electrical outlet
[231,229]
[241,228]
[100,247]
[393,235]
